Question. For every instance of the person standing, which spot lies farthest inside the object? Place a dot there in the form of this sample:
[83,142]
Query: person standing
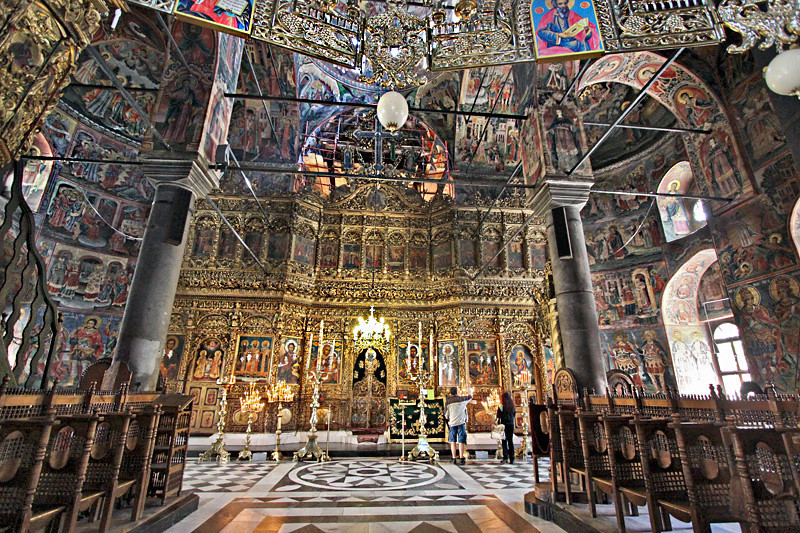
[506,414]
[457,416]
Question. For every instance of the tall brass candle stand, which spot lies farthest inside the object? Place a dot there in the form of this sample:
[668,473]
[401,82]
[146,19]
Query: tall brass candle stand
[422,377]
[523,450]
[279,392]
[217,450]
[319,375]
[490,405]
[251,403]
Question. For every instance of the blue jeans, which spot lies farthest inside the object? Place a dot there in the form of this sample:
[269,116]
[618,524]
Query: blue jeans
[458,434]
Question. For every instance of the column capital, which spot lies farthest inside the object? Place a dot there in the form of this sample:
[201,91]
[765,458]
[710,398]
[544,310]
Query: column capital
[186,169]
[559,191]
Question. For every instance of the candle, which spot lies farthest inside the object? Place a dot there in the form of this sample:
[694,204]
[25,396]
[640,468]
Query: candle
[319,348]
[419,349]
[430,354]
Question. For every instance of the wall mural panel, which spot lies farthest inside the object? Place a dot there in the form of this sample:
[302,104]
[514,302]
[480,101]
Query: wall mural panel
[641,353]
[482,360]
[173,355]
[289,359]
[253,357]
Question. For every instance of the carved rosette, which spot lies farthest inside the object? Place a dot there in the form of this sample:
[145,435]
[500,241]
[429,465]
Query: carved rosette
[39,46]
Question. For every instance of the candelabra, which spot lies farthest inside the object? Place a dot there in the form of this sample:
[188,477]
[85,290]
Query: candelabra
[317,377]
[251,403]
[490,405]
[217,450]
[422,377]
[279,392]
[523,450]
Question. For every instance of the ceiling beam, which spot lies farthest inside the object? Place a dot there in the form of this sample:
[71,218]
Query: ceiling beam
[649,128]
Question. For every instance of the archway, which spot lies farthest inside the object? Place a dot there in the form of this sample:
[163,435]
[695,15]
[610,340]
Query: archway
[688,339]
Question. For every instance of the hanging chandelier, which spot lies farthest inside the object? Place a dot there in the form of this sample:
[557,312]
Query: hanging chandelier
[371,332]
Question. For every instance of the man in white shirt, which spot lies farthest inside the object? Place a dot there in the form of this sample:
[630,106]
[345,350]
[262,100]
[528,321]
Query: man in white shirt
[456,408]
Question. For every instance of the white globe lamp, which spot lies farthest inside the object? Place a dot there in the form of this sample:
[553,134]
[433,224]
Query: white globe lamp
[783,73]
[392,110]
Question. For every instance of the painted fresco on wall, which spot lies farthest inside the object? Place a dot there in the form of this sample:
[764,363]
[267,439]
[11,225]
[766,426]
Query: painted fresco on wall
[209,360]
[36,173]
[531,154]
[441,93]
[449,364]
[484,368]
[758,124]
[331,360]
[218,116]
[629,297]
[85,339]
[408,362]
[691,354]
[289,361]
[253,356]
[265,131]
[712,298]
[81,279]
[562,139]
[565,29]
[768,313]
[520,362]
[173,353]
[780,180]
[184,95]
[642,354]
[752,241]
[303,250]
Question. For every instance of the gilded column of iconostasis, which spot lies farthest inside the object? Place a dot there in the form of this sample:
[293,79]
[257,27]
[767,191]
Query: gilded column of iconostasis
[328,258]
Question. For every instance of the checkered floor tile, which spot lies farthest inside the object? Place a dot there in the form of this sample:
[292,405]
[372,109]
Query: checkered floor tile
[503,476]
[232,477]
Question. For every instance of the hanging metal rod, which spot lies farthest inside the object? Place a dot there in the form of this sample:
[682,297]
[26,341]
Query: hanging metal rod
[639,97]
[77,85]
[369,106]
[664,194]
[81,160]
[576,80]
[650,128]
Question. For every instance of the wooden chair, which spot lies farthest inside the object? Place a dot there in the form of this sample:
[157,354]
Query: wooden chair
[766,480]
[626,467]
[102,472]
[135,468]
[662,471]
[705,461]
[595,456]
[571,448]
[556,454]
[22,448]
[64,471]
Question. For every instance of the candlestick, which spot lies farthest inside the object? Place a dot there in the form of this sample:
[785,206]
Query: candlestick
[430,357]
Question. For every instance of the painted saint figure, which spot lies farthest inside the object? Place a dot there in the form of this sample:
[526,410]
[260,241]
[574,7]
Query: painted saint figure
[562,27]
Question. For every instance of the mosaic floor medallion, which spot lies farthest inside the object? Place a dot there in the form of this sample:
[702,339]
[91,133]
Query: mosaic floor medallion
[366,475]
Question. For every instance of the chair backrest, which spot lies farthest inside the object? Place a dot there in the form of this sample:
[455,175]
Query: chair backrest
[108,446]
[766,467]
[661,460]
[554,426]
[22,449]
[565,387]
[66,460]
[620,383]
[705,460]
[623,451]
[594,444]
[571,446]
[597,403]
[660,405]
[139,443]
[701,408]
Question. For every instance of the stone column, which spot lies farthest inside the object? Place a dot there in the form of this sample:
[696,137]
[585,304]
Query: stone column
[577,316]
[149,307]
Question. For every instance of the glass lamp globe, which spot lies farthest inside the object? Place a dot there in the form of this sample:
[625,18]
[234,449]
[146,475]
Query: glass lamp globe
[783,73]
[392,110]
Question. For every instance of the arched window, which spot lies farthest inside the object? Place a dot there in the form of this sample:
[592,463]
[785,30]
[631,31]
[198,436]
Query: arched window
[729,357]
[679,216]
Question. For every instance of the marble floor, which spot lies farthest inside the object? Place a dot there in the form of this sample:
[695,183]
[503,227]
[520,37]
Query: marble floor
[361,495]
